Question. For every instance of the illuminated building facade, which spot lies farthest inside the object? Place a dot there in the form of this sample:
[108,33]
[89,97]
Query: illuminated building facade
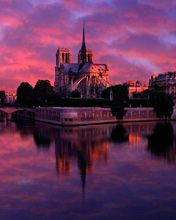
[88,78]
[10,97]
[135,86]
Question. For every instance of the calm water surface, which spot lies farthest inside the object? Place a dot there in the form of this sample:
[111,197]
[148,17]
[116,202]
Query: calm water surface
[92,172]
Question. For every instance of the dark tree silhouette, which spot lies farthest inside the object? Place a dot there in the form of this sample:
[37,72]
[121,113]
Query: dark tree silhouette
[118,111]
[120,99]
[2,97]
[120,94]
[43,92]
[25,94]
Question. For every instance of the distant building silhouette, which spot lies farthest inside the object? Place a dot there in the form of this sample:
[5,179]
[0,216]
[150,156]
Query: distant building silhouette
[165,82]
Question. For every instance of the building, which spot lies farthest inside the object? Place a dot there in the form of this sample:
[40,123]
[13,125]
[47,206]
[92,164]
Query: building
[10,97]
[134,87]
[165,82]
[88,78]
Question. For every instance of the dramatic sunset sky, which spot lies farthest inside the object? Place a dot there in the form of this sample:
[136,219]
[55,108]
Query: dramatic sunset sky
[136,38]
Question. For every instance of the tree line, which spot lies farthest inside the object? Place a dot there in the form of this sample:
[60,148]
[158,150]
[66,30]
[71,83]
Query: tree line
[41,94]
[161,101]
[116,97]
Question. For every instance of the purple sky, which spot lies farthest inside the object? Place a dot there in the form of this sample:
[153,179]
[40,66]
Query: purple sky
[136,38]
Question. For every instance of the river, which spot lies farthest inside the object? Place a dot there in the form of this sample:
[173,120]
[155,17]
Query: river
[90,172]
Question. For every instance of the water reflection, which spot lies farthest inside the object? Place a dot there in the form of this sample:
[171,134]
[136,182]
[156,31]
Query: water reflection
[88,145]
[85,145]
[161,142]
[119,134]
[44,168]
[42,137]
[25,129]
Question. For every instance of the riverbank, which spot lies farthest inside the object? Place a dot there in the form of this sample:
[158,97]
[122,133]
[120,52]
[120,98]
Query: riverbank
[67,116]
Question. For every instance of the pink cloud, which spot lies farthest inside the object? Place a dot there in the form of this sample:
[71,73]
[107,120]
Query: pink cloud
[135,38]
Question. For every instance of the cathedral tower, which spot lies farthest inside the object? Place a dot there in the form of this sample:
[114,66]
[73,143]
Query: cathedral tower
[63,56]
[84,55]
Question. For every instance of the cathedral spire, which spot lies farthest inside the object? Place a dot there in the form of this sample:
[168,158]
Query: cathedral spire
[84,55]
[83,48]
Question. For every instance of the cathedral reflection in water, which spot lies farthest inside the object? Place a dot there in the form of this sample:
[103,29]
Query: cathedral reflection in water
[87,146]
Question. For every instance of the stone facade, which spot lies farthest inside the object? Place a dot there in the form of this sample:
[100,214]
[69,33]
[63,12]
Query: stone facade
[90,115]
[88,78]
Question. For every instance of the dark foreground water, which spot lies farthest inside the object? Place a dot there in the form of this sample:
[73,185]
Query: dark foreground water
[92,172]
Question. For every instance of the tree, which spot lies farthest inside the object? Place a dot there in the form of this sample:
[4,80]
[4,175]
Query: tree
[2,97]
[120,94]
[43,92]
[162,103]
[118,111]
[120,99]
[25,94]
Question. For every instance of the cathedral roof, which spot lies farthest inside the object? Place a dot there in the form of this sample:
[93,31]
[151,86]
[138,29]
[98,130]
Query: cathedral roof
[91,67]
[87,67]
[73,67]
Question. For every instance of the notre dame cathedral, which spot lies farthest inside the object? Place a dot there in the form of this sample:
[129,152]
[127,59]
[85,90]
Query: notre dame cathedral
[88,78]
